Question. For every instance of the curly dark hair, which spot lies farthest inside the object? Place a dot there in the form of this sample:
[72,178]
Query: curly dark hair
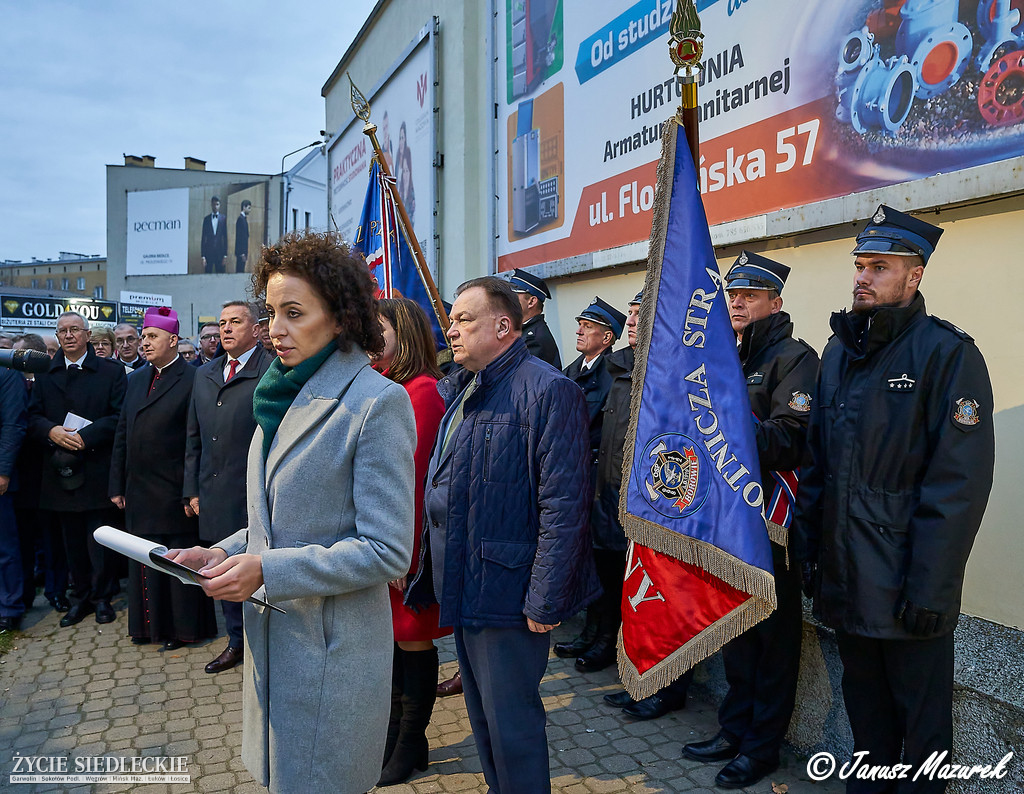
[336,273]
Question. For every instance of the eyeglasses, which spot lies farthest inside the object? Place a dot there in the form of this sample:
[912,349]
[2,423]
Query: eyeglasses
[208,337]
[72,331]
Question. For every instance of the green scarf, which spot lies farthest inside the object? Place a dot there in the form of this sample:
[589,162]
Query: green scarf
[278,389]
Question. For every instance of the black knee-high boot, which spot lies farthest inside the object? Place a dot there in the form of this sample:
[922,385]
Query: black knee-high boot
[396,705]
[419,691]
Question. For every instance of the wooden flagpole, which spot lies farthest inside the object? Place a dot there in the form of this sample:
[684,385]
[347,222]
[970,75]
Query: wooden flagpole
[361,107]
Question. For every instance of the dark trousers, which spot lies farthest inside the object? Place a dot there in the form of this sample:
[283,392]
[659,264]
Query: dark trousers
[899,697]
[94,568]
[762,666]
[41,542]
[501,673]
[606,612]
[12,588]
[233,622]
[239,264]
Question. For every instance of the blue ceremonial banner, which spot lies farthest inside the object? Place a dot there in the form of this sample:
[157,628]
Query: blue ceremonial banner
[700,562]
[381,239]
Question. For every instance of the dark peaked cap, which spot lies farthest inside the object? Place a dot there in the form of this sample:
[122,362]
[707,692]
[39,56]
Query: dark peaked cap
[893,232]
[521,281]
[604,314]
[753,271]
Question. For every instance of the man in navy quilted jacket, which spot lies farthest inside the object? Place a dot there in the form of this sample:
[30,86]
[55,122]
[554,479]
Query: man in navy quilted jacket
[507,543]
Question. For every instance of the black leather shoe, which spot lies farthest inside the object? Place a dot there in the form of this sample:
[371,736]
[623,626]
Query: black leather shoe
[650,708]
[77,613]
[619,699]
[602,654]
[230,658]
[105,613]
[172,645]
[12,623]
[718,748]
[60,604]
[140,640]
[743,771]
[453,686]
[579,646]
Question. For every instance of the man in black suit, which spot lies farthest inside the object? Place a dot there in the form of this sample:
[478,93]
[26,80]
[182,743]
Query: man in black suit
[214,244]
[242,237]
[220,427]
[76,462]
[146,474]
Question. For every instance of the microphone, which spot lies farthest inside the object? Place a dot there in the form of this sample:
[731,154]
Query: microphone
[25,360]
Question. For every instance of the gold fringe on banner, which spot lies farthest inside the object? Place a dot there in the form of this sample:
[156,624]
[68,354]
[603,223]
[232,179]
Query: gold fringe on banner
[729,569]
[728,627]
[779,534]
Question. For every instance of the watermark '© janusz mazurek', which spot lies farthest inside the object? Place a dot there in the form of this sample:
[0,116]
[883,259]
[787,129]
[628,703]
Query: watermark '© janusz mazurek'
[822,766]
[99,769]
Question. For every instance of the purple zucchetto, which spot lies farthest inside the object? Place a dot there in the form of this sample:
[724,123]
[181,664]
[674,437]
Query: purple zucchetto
[163,317]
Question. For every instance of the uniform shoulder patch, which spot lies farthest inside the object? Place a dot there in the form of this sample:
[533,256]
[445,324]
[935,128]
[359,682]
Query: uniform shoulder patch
[966,412]
[801,401]
[950,327]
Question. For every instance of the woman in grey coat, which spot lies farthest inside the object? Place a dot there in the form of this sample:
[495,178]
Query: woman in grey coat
[330,508]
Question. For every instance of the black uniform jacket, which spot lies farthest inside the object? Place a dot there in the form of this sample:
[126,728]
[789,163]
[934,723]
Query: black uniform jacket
[903,450]
[95,392]
[540,342]
[220,427]
[595,383]
[148,462]
[780,372]
[604,517]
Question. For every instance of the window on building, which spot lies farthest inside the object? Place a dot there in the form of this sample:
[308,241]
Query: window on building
[97,292]
[35,283]
[65,283]
[307,220]
[295,219]
[81,283]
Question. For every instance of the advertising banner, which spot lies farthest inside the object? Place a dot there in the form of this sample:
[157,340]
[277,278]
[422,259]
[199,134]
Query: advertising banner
[17,311]
[799,102]
[202,229]
[402,107]
[157,232]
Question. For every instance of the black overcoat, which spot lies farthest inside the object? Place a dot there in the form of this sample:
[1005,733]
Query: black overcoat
[903,448]
[95,392]
[148,461]
[540,342]
[220,427]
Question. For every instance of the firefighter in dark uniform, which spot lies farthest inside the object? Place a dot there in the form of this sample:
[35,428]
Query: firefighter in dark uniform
[903,450]
[610,544]
[600,325]
[532,292]
[762,664]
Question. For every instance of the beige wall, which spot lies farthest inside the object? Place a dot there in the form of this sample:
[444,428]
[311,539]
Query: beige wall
[972,281]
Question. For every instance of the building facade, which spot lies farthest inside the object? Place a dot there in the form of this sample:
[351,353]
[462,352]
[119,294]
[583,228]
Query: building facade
[545,127]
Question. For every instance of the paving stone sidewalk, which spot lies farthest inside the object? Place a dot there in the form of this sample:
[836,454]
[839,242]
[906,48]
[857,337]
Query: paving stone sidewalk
[87,691]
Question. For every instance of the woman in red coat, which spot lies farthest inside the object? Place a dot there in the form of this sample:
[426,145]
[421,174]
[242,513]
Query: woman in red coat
[409,358]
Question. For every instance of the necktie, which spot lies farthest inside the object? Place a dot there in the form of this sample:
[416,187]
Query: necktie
[232,367]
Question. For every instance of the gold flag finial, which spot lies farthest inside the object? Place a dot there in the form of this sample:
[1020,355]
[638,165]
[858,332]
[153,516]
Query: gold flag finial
[686,47]
[360,105]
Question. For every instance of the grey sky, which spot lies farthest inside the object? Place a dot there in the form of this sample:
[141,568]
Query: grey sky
[81,83]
